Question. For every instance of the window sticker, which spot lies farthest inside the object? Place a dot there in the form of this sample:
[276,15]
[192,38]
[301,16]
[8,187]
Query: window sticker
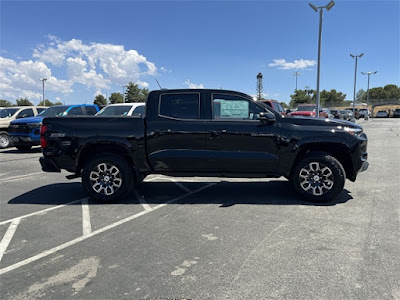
[232,109]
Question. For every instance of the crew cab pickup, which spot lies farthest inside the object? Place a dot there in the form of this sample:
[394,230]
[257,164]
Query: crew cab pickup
[204,133]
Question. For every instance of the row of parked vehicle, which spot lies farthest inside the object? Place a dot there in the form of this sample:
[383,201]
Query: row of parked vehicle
[20,125]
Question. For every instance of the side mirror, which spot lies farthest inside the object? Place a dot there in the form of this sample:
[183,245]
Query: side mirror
[267,117]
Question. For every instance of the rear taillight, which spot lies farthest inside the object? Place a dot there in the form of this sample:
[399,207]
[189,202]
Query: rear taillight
[43,142]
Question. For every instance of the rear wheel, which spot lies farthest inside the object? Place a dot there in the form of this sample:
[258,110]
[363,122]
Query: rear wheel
[107,177]
[4,140]
[319,177]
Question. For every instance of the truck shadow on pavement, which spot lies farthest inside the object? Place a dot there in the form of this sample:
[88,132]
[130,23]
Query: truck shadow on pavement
[16,151]
[224,193]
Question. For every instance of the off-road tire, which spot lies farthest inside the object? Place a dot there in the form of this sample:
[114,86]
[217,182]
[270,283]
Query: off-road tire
[107,177]
[319,177]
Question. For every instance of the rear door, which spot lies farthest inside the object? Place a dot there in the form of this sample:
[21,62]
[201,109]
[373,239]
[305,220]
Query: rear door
[176,135]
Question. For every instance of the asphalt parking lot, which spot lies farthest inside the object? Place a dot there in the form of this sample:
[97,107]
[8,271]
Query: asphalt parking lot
[202,238]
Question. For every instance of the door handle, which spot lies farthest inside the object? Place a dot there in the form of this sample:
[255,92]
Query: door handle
[215,133]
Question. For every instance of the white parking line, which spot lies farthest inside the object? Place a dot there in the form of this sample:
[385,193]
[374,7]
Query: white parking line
[14,178]
[142,201]
[8,236]
[96,232]
[180,185]
[86,225]
[42,211]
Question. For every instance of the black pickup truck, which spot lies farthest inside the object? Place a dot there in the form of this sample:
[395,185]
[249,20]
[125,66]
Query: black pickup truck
[204,133]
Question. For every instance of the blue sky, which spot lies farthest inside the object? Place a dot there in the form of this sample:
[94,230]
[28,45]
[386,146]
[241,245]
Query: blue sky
[89,47]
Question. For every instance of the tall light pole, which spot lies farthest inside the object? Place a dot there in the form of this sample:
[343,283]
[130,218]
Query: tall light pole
[297,74]
[355,83]
[321,9]
[43,80]
[368,73]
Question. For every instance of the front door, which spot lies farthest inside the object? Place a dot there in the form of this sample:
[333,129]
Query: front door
[237,141]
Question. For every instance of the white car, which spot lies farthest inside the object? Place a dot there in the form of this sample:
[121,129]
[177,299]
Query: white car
[382,114]
[123,109]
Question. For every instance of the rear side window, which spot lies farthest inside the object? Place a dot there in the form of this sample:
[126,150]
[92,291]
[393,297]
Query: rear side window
[90,110]
[139,111]
[180,106]
[75,111]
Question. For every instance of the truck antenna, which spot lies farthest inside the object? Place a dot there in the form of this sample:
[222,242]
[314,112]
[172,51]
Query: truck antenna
[158,84]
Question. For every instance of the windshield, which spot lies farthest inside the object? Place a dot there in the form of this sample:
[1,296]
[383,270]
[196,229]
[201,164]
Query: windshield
[305,108]
[120,110]
[54,111]
[7,112]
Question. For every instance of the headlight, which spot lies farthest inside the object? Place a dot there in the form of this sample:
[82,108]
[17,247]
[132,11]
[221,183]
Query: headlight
[33,125]
[353,131]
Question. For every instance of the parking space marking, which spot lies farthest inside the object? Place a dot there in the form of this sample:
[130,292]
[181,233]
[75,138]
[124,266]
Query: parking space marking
[140,198]
[42,211]
[180,185]
[8,237]
[96,232]
[86,225]
[14,178]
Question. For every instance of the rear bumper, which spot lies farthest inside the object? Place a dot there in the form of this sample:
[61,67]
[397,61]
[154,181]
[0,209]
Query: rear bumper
[48,165]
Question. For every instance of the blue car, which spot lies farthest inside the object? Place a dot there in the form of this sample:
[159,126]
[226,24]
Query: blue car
[25,132]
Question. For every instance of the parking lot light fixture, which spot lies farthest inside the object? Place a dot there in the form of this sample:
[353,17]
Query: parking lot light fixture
[355,81]
[368,73]
[321,9]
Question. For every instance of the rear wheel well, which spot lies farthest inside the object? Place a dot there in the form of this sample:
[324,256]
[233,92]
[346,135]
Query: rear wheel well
[93,150]
[338,151]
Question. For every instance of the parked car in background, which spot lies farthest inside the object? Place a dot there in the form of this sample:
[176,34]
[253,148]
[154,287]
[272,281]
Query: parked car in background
[346,115]
[123,109]
[328,111]
[364,112]
[350,109]
[336,113]
[308,110]
[25,133]
[275,105]
[9,114]
[382,114]
[396,113]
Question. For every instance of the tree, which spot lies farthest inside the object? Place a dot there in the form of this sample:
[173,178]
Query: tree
[58,103]
[284,105]
[132,93]
[5,103]
[332,98]
[47,102]
[361,94]
[24,102]
[144,93]
[301,97]
[392,91]
[100,100]
[116,98]
[377,93]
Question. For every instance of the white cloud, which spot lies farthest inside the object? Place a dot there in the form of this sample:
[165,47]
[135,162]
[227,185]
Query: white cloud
[297,64]
[96,66]
[192,85]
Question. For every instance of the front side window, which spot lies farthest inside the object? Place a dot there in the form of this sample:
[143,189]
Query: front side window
[235,107]
[40,109]
[26,113]
[180,106]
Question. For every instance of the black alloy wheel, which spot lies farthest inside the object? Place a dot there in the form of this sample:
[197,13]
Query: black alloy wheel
[107,177]
[319,177]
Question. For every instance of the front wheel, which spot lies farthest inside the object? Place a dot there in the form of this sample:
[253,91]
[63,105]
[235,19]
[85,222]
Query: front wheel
[107,177]
[319,177]
[4,140]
